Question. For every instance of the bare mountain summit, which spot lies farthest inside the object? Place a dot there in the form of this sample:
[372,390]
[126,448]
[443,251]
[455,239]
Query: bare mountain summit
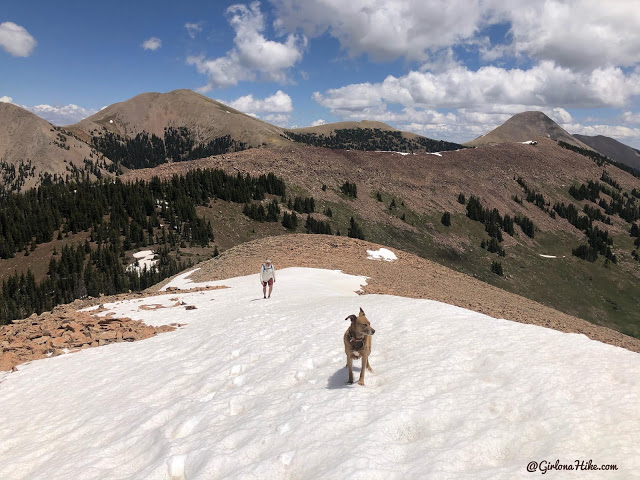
[524,127]
[205,119]
[31,147]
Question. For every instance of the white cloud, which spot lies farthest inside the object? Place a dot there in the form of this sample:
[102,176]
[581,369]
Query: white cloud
[616,131]
[6,99]
[560,115]
[318,122]
[16,40]
[384,30]
[152,44]
[544,85]
[253,56]
[279,119]
[278,102]
[193,29]
[61,114]
[581,34]
[631,117]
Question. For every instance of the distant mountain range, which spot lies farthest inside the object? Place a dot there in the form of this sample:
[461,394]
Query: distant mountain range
[613,149]
[153,128]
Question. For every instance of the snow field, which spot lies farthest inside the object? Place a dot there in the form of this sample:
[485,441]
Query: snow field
[256,389]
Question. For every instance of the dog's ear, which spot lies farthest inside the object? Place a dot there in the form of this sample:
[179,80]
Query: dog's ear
[351,317]
[361,311]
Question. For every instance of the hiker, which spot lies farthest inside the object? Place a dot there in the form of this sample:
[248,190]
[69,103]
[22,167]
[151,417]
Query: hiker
[267,277]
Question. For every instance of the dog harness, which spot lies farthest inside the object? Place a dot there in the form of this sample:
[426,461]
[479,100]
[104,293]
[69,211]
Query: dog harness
[354,342]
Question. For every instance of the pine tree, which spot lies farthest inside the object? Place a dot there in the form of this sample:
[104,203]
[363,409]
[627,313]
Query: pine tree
[354,230]
[496,267]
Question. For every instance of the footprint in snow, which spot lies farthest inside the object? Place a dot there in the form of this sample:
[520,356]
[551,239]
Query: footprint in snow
[235,407]
[185,428]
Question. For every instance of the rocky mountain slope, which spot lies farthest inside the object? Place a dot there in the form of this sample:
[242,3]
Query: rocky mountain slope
[31,147]
[524,127]
[613,149]
[153,112]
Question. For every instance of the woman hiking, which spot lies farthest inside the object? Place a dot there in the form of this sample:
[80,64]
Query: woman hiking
[267,277]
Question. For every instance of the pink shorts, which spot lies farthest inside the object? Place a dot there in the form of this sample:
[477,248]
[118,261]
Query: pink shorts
[270,282]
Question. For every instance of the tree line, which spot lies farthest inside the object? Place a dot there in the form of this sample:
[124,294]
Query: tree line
[372,139]
[148,151]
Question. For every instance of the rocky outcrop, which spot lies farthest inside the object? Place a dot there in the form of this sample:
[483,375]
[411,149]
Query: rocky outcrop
[66,331]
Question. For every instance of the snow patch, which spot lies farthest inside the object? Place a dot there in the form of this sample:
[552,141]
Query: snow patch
[382,254]
[529,142]
[144,259]
[254,388]
[392,151]
[550,256]
[434,153]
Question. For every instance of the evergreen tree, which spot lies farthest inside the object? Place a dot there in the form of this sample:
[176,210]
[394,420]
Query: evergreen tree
[496,267]
[354,230]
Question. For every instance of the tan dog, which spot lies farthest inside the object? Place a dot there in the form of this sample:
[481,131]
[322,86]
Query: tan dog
[357,343]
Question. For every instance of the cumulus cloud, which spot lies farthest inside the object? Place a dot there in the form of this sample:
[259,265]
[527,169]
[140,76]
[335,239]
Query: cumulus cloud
[318,122]
[58,114]
[61,114]
[545,85]
[631,117]
[153,44]
[278,102]
[384,30]
[620,132]
[279,119]
[253,56]
[193,29]
[581,34]
[16,40]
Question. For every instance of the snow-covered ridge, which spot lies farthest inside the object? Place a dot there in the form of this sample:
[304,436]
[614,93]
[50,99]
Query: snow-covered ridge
[254,388]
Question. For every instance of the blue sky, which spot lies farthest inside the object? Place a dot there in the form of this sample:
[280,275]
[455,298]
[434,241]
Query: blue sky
[445,69]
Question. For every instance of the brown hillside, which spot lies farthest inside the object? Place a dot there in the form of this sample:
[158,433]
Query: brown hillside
[427,183]
[27,139]
[524,127]
[205,118]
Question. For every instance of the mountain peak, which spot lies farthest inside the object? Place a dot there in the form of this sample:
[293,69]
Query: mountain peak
[526,126]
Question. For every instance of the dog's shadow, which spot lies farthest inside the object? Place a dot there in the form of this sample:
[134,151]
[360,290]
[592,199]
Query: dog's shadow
[339,378]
